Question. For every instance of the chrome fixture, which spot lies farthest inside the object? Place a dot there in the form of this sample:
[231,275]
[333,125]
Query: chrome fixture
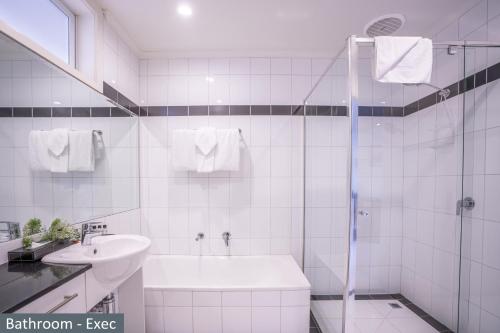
[66,300]
[442,92]
[363,213]
[91,230]
[200,236]
[226,236]
[9,231]
[467,203]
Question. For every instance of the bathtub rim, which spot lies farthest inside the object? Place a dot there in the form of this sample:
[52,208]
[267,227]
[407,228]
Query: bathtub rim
[304,285]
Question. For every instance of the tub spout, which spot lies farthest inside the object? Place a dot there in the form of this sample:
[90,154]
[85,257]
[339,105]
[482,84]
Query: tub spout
[226,236]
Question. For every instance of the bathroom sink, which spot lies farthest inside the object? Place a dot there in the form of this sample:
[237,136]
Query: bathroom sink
[113,257]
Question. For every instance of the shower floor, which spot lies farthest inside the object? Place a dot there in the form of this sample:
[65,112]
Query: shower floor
[370,316]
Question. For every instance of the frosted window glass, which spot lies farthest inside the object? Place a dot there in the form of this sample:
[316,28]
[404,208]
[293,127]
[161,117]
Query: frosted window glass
[41,21]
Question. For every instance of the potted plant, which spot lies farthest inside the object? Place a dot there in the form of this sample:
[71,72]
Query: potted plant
[32,232]
[61,232]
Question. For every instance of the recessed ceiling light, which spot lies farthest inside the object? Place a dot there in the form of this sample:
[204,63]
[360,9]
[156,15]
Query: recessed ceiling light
[184,10]
[219,101]
[210,79]
[56,103]
[382,102]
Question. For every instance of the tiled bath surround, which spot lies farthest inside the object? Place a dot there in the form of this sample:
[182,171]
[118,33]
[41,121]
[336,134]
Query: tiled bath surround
[256,311]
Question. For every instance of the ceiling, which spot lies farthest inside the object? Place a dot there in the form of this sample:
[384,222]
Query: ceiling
[267,27]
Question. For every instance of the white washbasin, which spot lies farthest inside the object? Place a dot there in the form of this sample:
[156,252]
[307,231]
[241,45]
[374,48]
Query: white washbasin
[113,257]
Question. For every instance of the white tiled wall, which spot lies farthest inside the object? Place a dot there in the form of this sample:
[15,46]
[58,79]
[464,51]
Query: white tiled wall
[230,81]
[28,82]
[227,311]
[260,204]
[73,196]
[433,183]
[120,65]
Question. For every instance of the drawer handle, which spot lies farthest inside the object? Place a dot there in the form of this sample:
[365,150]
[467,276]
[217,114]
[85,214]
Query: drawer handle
[66,300]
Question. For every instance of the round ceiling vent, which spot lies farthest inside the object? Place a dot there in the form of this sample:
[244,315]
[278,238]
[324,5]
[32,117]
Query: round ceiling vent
[385,25]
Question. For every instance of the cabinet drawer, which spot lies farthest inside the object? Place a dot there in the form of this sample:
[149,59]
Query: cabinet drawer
[68,298]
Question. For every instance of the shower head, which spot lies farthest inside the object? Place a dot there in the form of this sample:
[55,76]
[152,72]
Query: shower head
[442,92]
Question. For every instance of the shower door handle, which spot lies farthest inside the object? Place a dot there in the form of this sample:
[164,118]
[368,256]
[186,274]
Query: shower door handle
[363,213]
[467,203]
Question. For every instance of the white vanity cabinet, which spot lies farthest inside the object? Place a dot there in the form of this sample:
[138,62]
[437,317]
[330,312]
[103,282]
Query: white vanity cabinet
[67,298]
[81,293]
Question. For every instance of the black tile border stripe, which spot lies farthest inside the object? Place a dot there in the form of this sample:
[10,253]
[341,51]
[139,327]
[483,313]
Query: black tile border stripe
[437,325]
[119,98]
[61,112]
[473,81]
[487,75]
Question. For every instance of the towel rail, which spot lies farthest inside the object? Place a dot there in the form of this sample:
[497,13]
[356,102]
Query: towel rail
[93,131]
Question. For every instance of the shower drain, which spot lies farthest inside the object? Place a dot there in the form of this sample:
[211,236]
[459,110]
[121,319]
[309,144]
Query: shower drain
[395,305]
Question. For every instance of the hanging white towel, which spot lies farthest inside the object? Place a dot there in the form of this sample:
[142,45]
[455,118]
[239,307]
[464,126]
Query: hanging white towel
[183,150]
[81,151]
[58,141]
[402,59]
[205,141]
[38,151]
[227,152]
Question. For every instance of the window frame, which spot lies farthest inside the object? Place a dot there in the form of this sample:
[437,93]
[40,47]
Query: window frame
[71,30]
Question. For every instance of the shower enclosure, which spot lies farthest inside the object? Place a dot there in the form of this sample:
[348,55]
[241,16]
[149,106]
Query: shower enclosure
[405,236]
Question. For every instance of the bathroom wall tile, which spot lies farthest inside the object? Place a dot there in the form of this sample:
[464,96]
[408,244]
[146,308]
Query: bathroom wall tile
[154,319]
[295,298]
[207,319]
[237,319]
[266,298]
[153,298]
[239,66]
[260,66]
[266,319]
[178,298]
[178,319]
[207,298]
[294,319]
[236,299]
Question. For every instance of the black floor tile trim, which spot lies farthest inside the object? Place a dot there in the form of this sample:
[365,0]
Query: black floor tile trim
[313,324]
[436,324]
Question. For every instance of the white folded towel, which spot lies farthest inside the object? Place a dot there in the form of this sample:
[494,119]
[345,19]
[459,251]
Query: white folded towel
[58,141]
[402,59]
[81,151]
[227,152]
[38,151]
[183,150]
[205,141]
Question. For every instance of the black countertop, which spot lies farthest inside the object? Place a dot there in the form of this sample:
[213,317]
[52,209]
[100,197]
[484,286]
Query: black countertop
[22,283]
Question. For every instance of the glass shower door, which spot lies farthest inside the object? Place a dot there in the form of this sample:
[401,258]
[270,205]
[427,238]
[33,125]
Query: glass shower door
[479,306]
[326,199]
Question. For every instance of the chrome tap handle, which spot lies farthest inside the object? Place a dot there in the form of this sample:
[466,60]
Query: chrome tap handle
[226,236]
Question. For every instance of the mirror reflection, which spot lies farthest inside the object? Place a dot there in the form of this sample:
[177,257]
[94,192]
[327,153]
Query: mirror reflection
[67,151]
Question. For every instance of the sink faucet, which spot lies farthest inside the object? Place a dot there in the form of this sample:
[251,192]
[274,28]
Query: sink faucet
[91,230]
[226,236]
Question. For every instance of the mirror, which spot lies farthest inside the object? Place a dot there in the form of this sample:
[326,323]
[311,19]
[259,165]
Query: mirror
[35,95]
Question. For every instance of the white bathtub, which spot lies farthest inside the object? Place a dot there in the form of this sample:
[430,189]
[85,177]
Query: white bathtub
[225,294]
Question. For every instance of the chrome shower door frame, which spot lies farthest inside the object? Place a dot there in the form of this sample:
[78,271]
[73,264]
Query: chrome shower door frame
[350,277]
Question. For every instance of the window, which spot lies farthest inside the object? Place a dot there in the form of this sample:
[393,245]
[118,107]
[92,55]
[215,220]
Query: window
[47,22]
